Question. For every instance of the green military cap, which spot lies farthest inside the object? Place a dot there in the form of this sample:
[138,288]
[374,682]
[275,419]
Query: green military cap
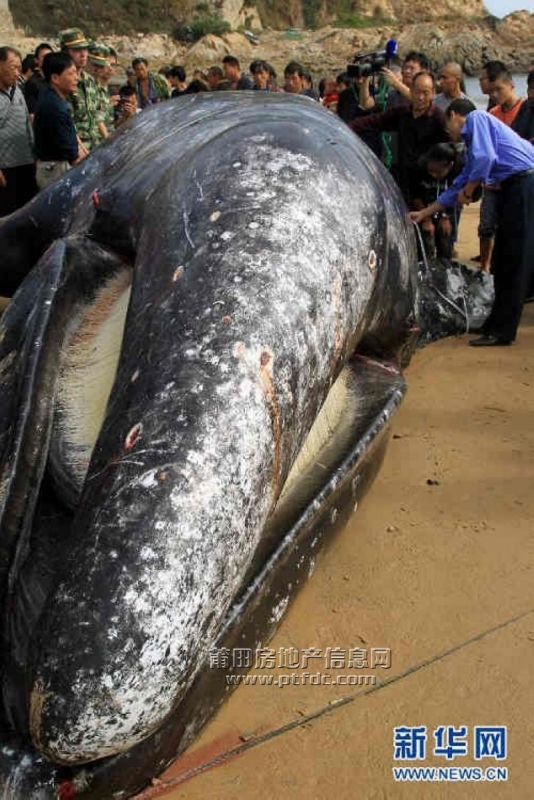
[72,39]
[99,54]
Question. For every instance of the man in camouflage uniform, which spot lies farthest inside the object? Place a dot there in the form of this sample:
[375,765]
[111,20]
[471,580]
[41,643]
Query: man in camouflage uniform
[102,63]
[84,102]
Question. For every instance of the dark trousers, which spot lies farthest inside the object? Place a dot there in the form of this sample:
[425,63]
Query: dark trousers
[20,188]
[513,255]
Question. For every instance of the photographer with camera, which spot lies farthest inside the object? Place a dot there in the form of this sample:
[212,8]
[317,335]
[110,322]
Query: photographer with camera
[385,83]
[419,125]
[358,98]
[401,85]
[128,105]
[357,101]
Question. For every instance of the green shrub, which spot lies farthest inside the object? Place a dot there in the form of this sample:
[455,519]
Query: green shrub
[310,11]
[195,29]
[47,17]
[355,21]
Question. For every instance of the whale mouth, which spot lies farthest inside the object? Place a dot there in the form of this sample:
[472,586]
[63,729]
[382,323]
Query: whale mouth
[87,368]
[88,365]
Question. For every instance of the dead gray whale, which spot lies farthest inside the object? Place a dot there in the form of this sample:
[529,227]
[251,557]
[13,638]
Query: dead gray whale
[236,250]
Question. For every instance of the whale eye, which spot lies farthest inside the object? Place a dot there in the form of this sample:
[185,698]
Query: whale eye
[372,262]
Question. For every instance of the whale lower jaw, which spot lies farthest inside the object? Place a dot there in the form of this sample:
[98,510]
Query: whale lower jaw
[311,510]
[88,364]
[87,359]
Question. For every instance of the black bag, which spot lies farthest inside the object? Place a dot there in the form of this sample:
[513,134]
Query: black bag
[453,299]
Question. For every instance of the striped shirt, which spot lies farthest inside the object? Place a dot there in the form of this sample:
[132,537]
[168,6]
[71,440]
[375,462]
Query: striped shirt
[16,137]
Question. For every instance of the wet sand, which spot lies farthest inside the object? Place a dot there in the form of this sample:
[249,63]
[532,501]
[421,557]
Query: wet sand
[436,566]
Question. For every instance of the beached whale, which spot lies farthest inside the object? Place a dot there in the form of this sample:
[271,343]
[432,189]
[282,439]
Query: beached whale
[190,295]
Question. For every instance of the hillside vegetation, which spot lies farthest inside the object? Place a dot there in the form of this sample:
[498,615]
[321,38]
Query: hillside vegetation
[164,16]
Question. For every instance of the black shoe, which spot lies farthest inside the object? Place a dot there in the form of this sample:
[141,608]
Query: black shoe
[488,340]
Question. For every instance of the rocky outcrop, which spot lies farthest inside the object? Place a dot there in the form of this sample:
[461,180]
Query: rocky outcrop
[516,28]
[45,16]
[329,49]
[239,14]
[6,20]
[406,11]
[318,13]
[511,41]
[471,44]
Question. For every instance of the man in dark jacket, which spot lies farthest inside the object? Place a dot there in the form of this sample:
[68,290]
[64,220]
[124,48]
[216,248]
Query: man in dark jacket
[37,82]
[233,74]
[420,125]
[523,124]
[56,142]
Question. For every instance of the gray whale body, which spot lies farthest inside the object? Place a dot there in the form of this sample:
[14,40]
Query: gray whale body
[256,245]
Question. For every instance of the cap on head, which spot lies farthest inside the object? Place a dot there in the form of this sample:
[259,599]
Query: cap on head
[99,54]
[72,39]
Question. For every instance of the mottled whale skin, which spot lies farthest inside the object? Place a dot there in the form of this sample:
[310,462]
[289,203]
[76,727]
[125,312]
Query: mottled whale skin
[265,246]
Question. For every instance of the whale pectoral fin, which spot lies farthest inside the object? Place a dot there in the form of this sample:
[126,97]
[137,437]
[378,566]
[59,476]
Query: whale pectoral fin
[34,331]
[28,365]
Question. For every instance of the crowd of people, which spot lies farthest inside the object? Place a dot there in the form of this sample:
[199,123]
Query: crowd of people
[57,105]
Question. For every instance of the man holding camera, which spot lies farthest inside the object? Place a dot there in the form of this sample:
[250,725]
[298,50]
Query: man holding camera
[420,125]
[401,84]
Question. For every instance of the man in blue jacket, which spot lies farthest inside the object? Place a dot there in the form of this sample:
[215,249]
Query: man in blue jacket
[496,156]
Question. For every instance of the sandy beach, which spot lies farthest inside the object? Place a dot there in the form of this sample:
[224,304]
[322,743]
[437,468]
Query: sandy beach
[434,568]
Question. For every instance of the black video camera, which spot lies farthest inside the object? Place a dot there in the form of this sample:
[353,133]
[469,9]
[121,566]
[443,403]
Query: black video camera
[367,64]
